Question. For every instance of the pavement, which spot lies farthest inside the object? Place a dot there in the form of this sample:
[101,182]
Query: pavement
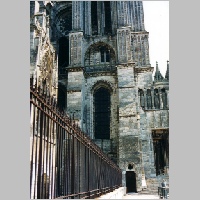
[140,196]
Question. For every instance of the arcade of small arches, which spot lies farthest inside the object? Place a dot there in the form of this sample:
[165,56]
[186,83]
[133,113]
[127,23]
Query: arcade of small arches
[154,98]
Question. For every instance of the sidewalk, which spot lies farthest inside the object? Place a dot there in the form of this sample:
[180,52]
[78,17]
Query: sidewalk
[140,196]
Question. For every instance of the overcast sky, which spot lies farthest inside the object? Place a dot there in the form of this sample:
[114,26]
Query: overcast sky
[156,21]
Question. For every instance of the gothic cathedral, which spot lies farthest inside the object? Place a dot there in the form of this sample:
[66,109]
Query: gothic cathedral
[94,57]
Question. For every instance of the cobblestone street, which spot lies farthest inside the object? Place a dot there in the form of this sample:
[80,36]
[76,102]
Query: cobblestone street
[139,196]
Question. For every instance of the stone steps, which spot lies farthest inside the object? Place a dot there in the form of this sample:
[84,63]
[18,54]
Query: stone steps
[154,183]
[152,186]
[149,192]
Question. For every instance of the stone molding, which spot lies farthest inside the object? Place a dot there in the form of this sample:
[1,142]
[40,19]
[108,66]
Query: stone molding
[143,69]
[100,83]
[71,91]
[74,69]
[95,74]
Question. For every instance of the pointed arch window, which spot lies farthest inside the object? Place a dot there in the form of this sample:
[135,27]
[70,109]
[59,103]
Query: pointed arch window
[94,18]
[108,25]
[105,55]
[101,17]
[102,113]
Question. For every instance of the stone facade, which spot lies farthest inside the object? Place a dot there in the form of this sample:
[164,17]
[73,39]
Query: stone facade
[76,48]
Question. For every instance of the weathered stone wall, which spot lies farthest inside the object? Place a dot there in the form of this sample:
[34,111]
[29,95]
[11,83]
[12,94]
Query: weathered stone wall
[33,52]
[129,134]
[144,79]
[140,48]
[43,58]
[151,120]
[76,57]
[157,119]
[123,47]
[74,95]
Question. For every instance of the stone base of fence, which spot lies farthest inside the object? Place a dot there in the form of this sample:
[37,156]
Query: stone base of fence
[116,194]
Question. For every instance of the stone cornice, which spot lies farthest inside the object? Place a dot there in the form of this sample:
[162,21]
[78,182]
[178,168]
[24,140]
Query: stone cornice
[74,69]
[139,32]
[95,74]
[160,128]
[71,91]
[126,87]
[155,109]
[160,82]
[143,69]
[126,116]
[125,65]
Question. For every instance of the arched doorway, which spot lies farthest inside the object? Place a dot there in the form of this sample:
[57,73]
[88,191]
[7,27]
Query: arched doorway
[131,181]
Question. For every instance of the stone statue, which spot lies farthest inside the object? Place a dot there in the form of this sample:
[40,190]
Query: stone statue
[142,100]
[149,101]
[156,101]
[164,99]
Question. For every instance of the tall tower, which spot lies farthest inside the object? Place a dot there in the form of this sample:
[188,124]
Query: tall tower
[105,81]
[108,61]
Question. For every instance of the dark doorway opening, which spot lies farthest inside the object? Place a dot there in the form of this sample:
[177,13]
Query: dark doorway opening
[131,181]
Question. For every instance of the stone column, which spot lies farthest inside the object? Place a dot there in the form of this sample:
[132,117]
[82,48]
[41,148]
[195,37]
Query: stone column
[124,42]
[122,13]
[113,7]
[77,15]
[128,148]
[75,46]
[165,157]
[33,49]
[139,99]
[75,72]
[146,47]
[87,12]
[124,178]
[75,84]
[167,91]
[99,12]
[152,98]
[141,16]
[145,99]
[160,97]
[136,18]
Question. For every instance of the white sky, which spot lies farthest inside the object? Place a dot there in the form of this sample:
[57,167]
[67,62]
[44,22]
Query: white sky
[156,21]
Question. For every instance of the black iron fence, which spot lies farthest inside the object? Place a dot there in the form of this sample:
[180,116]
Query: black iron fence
[64,162]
